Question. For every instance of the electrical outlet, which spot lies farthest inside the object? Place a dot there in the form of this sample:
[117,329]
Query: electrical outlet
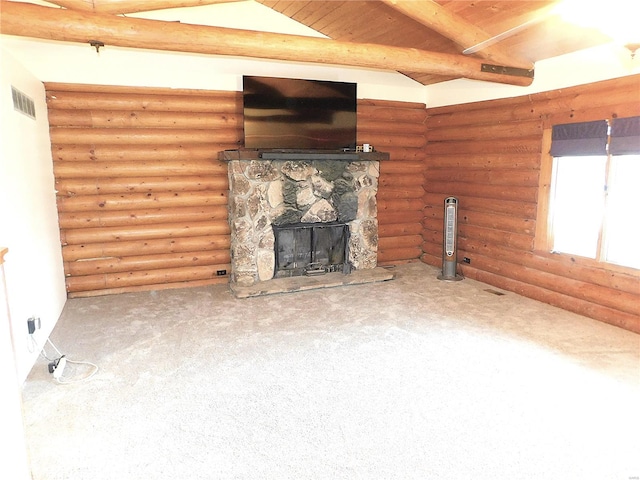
[33,324]
[466,260]
[221,272]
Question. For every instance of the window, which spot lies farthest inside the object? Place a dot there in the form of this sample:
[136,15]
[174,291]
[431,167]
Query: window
[594,206]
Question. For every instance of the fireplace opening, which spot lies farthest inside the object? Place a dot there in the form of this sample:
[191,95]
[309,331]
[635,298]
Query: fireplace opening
[311,249]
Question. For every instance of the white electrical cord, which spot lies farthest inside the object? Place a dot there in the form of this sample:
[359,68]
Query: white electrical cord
[60,379]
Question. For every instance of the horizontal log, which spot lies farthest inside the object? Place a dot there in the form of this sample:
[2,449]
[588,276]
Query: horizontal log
[146,262]
[152,287]
[493,221]
[404,154]
[138,168]
[555,264]
[514,240]
[401,180]
[89,186]
[151,277]
[383,127]
[213,102]
[552,113]
[398,254]
[495,176]
[389,116]
[399,229]
[395,217]
[143,119]
[507,223]
[605,314]
[143,153]
[514,109]
[400,241]
[622,110]
[389,193]
[400,205]
[142,136]
[434,206]
[432,242]
[434,261]
[598,295]
[143,232]
[435,249]
[119,7]
[167,244]
[129,201]
[374,104]
[398,166]
[494,131]
[382,142]
[65,25]
[519,161]
[497,192]
[127,89]
[592,92]
[93,219]
[460,147]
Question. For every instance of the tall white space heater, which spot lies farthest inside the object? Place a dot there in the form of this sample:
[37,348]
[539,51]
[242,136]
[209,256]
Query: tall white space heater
[449,240]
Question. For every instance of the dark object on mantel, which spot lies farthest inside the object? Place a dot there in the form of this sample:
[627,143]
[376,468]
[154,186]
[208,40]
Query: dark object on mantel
[286,154]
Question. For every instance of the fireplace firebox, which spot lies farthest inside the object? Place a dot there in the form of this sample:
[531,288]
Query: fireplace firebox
[311,249]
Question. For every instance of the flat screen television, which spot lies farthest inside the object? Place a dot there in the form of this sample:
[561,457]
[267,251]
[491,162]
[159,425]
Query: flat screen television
[285,113]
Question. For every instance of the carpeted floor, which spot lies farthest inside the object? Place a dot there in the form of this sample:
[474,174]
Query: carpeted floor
[414,378]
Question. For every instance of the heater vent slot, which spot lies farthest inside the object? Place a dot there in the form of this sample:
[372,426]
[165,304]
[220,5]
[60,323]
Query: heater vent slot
[23,103]
[450,230]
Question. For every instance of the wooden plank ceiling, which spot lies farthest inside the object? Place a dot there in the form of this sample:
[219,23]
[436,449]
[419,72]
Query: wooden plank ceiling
[441,30]
[378,22]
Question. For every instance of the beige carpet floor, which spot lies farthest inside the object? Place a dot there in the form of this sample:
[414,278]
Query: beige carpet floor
[412,378]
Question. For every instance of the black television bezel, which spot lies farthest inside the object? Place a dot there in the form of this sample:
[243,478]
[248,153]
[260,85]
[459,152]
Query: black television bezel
[292,125]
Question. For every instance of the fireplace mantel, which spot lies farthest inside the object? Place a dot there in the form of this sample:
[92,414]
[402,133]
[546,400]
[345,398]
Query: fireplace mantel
[301,155]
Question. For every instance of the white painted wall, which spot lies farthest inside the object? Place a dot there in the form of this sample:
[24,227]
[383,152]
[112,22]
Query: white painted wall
[28,215]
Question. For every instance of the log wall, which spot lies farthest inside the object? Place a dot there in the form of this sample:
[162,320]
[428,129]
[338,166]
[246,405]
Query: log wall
[397,128]
[142,197]
[489,155]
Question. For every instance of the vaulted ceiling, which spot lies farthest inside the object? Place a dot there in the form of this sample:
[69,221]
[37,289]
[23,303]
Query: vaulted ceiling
[429,41]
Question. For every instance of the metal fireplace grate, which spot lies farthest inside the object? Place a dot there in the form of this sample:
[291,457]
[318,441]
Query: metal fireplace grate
[311,249]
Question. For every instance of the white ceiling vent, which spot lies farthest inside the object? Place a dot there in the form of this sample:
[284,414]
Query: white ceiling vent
[23,103]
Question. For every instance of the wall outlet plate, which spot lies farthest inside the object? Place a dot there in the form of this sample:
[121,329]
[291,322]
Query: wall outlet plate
[33,324]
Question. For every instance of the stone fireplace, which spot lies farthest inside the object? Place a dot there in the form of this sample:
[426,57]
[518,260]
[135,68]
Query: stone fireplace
[280,201]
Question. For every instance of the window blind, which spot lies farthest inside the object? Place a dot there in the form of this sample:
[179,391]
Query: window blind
[579,139]
[625,136]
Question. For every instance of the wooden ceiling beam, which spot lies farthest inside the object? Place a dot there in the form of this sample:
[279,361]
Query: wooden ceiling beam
[116,7]
[36,21]
[457,29]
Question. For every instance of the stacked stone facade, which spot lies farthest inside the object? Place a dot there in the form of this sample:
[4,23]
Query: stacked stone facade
[283,192]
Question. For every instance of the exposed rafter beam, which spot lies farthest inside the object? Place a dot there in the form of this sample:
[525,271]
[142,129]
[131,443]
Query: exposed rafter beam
[455,28]
[73,26]
[130,6]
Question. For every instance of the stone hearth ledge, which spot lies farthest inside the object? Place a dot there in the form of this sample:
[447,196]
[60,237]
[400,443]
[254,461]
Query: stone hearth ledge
[302,283]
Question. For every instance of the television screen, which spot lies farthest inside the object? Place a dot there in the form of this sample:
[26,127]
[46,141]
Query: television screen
[284,113]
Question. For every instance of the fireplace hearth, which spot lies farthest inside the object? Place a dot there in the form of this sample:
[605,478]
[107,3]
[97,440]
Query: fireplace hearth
[301,214]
